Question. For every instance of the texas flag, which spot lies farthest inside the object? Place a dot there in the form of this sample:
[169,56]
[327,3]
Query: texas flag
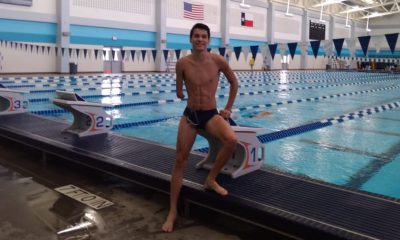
[247,19]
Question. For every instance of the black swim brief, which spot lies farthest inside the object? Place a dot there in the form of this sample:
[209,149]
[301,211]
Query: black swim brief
[199,118]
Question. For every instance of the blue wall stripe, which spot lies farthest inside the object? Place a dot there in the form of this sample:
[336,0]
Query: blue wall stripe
[383,54]
[239,43]
[182,41]
[103,36]
[28,31]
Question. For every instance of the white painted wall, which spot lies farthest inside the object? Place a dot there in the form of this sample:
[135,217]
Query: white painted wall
[21,61]
[295,62]
[316,63]
[287,29]
[277,62]
[138,64]
[135,12]
[341,31]
[384,25]
[90,63]
[38,6]
[389,20]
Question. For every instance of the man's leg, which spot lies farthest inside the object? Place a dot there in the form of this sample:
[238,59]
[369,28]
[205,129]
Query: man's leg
[219,128]
[186,136]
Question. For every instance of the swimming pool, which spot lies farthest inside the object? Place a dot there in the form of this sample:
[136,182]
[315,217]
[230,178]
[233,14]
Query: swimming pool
[337,127]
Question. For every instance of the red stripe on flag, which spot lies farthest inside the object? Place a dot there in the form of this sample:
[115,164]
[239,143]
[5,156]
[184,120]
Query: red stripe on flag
[248,23]
[193,11]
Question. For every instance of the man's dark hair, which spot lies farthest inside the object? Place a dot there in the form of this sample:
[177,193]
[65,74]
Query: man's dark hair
[202,27]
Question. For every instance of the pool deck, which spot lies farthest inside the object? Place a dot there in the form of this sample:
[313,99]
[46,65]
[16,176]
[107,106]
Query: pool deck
[295,206]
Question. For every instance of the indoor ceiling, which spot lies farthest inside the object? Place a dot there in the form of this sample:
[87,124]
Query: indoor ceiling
[354,9]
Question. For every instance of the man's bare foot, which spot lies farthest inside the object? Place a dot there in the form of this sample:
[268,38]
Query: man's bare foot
[213,185]
[168,225]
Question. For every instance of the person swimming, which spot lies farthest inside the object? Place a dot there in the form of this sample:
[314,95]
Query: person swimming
[261,114]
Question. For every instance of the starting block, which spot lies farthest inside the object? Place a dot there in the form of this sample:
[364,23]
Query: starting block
[248,157]
[89,118]
[12,101]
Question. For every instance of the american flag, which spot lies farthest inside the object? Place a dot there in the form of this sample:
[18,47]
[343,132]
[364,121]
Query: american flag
[193,11]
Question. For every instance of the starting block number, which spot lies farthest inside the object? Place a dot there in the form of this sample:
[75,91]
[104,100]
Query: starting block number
[17,104]
[12,101]
[98,122]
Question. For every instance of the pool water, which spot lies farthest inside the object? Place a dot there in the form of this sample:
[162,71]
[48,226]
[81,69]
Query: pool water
[361,153]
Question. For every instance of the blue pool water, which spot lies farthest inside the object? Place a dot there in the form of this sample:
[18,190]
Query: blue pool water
[354,152]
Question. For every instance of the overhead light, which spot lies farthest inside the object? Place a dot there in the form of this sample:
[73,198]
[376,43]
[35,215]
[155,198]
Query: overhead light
[374,15]
[356,9]
[347,21]
[328,2]
[370,6]
[320,15]
[244,5]
[367,28]
[287,10]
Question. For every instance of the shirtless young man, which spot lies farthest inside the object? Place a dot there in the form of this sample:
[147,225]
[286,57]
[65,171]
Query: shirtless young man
[200,73]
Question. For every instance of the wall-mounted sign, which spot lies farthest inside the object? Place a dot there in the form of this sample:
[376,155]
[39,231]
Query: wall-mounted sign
[18,2]
[317,31]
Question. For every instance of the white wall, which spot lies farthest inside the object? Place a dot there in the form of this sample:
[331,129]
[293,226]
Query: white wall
[360,29]
[384,25]
[138,11]
[138,64]
[286,28]
[38,6]
[295,62]
[90,63]
[21,61]
[341,31]
[277,62]
[17,60]
[316,63]
[389,20]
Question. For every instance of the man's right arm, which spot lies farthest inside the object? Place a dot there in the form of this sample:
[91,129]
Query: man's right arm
[179,80]
[230,76]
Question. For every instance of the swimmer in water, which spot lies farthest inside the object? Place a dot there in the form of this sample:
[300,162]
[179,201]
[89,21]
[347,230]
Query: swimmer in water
[257,115]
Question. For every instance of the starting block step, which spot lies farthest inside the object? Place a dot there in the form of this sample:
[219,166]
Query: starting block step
[89,118]
[248,156]
[12,101]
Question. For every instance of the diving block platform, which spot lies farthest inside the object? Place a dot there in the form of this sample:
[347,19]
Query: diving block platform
[248,156]
[12,101]
[89,117]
